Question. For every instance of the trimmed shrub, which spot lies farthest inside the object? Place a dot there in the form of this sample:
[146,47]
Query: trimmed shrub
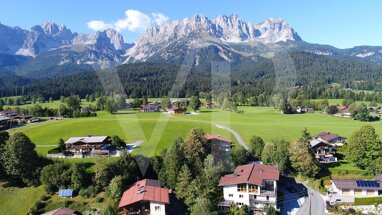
[368,200]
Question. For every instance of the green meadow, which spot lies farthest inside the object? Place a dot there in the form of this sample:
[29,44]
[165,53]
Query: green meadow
[158,130]
[18,201]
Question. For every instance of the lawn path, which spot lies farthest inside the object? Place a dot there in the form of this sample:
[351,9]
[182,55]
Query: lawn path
[233,132]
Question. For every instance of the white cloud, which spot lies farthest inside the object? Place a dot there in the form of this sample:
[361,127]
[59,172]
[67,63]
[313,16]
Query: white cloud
[133,21]
[159,18]
[98,25]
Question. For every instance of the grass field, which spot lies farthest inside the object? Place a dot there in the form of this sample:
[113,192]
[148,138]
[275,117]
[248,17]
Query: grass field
[18,201]
[158,130]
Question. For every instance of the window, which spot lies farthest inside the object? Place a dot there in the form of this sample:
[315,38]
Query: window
[240,196]
[242,188]
[267,198]
[157,208]
[254,197]
[239,204]
[230,195]
[252,188]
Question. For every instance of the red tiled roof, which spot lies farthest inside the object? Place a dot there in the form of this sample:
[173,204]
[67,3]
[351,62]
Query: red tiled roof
[252,174]
[218,137]
[145,190]
[342,107]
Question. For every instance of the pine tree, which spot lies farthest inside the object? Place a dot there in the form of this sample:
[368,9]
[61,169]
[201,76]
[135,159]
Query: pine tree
[184,180]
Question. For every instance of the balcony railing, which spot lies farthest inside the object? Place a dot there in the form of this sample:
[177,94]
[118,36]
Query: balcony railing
[266,192]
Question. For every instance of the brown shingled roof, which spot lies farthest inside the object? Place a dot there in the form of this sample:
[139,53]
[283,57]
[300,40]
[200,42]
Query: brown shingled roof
[145,190]
[252,174]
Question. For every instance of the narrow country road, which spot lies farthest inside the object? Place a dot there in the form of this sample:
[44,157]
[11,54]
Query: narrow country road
[233,132]
[313,205]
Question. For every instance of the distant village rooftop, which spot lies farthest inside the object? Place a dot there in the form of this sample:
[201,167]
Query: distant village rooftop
[88,139]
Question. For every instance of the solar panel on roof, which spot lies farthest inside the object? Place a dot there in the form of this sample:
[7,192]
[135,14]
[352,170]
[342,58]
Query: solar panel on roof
[367,183]
[65,193]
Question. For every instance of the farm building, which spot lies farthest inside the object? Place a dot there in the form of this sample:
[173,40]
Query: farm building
[87,144]
[145,197]
[150,108]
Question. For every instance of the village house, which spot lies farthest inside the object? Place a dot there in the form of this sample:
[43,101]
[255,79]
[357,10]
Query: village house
[8,113]
[301,109]
[210,105]
[4,121]
[175,110]
[150,108]
[219,145]
[254,185]
[343,111]
[94,145]
[324,146]
[23,117]
[346,190]
[145,197]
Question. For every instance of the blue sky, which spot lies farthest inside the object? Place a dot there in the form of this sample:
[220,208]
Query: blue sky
[339,23]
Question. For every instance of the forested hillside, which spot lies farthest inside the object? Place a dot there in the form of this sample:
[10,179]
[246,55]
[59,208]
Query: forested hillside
[295,70]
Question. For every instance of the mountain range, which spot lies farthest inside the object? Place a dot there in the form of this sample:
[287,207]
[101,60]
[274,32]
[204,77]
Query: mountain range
[51,49]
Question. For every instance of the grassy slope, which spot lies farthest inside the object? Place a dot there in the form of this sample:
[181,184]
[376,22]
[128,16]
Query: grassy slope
[18,201]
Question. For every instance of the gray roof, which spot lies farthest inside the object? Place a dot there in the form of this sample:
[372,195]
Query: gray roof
[352,184]
[60,211]
[378,177]
[91,139]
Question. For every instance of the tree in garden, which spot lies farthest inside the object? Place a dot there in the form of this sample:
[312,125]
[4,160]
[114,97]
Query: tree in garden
[210,178]
[111,106]
[115,189]
[332,109]
[195,149]
[243,210]
[117,142]
[364,147]
[184,180]
[54,176]
[4,137]
[78,176]
[271,210]
[239,155]
[276,152]
[284,107]
[302,158]
[203,206]
[20,160]
[195,103]
[61,145]
[173,161]
[73,103]
[165,103]
[256,145]
[128,167]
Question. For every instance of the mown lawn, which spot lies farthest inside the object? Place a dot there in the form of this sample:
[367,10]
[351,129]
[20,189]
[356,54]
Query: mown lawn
[158,130]
[18,201]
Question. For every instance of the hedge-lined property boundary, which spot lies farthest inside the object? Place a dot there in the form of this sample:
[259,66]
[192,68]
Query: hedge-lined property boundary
[368,200]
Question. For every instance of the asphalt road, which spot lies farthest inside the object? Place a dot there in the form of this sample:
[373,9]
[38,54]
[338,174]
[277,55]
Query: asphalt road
[314,204]
[233,132]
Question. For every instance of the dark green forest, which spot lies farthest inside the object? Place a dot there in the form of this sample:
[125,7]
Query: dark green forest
[314,75]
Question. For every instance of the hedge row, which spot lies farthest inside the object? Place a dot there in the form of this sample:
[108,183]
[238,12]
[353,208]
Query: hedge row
[368,200]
